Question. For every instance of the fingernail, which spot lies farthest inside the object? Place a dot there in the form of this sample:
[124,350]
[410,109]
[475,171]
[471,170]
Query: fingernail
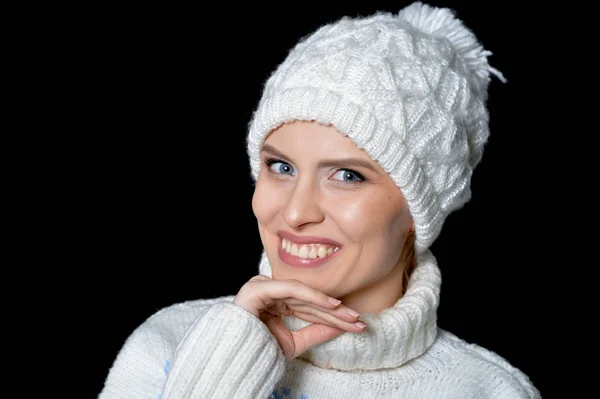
[334,301]
[360,324]
[353,312]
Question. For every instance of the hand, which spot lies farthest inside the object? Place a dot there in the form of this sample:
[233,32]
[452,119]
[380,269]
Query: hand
[269,299]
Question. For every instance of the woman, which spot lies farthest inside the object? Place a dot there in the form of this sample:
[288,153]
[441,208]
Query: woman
[364,140]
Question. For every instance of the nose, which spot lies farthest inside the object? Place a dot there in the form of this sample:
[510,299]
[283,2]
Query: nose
[303,206]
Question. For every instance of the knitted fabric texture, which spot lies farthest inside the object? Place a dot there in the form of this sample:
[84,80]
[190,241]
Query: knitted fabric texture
[212,348]
[408,88]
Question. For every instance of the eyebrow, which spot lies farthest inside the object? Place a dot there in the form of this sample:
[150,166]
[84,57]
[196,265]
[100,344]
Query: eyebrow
[341,163]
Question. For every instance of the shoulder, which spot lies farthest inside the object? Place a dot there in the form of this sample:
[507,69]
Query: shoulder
[484,368]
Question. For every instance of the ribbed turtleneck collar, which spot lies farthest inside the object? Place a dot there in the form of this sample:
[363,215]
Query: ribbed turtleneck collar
[393,336]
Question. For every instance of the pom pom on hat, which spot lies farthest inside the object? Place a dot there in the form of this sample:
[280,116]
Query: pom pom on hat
[409,89]
[443,23]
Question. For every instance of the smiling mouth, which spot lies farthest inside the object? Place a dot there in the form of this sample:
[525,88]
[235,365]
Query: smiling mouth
[308,251]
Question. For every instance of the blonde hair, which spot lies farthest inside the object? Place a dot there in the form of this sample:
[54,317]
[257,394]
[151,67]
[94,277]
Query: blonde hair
[409,258]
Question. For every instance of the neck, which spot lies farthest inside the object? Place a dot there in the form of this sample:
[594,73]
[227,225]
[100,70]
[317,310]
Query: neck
[394,336]
[378,295]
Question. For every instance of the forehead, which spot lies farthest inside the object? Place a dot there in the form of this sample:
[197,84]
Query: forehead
[315,140]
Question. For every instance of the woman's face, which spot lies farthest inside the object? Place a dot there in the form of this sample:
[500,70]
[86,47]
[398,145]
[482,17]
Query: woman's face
[330,216]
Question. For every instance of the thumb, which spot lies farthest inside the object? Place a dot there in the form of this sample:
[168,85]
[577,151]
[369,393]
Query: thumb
[313,335]
[294,343]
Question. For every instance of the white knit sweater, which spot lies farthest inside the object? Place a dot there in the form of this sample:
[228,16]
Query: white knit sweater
[215,349]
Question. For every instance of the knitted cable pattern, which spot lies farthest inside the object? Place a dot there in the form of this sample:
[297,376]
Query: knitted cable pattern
[408,88]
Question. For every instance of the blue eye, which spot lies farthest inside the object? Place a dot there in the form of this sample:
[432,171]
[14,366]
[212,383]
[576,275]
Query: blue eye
[348,176]
[280,167]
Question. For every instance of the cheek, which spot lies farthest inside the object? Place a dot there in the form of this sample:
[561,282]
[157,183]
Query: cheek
[378,224]
[398,226]
[371,216]
[265,201]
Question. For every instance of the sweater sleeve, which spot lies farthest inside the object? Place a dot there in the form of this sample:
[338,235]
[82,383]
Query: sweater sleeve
[225,352]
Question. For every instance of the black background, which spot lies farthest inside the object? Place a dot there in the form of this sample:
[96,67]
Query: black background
[161,212]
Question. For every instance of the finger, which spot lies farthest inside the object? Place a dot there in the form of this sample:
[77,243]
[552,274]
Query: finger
[353,327]
[282,307]
[294,343]
[281,289]
[282,335]
[260,277]
[309,336]
[341,312]
[271,311]
[278,309]
[249,298]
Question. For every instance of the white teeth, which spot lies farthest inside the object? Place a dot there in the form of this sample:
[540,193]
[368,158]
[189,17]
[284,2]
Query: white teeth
[322,252]
[305,251]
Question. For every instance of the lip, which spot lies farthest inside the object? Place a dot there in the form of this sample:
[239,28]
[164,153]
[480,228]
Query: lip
[307,239]
[295,261]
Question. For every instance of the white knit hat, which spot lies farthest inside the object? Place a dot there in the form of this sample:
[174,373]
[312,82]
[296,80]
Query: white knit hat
[408,88]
